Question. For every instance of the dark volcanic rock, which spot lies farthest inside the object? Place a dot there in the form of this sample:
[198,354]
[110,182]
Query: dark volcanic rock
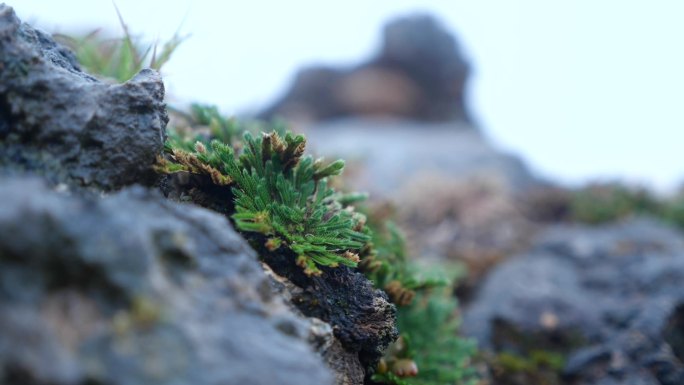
[344,363]
[419,74]
[62,123]
[608,297]
[362,318]
[134,289]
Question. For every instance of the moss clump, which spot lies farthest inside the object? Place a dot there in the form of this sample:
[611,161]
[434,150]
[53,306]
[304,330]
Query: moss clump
[604,203]
[280,198]
[673,210]
[284,199]
[429,351]
[601,203]
[539,367]
[279,193]
[119,58]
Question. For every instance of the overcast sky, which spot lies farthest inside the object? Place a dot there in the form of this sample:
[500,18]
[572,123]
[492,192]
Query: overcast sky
[583,89]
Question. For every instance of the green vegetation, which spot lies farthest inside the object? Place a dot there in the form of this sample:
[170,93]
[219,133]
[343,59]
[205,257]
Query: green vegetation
[282,198]
[610,202]
[601,203]
[539,367]
[429,350]
[673,210]
[279,193]
[119,58]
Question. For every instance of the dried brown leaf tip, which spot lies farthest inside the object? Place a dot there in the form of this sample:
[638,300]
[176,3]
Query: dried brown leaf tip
[185,161]
[276,192]
[405,367]
[292,150]
[272,244]
[352,256]
[399,294]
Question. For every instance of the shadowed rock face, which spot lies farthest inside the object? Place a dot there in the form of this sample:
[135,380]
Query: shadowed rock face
[608,297]
[362,317]
[418,74]
[134,289]
[61,122]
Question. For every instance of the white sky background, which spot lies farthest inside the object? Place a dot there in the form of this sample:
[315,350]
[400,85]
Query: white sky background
[583,89]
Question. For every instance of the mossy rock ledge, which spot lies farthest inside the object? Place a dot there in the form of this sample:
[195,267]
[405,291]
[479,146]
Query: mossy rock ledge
[104,280]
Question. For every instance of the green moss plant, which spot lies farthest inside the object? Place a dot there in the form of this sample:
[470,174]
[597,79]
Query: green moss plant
[429,351]
[283,197]
[279,193]
[609,202]
[119,58]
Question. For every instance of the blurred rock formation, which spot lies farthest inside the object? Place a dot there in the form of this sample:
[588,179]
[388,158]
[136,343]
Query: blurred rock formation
[401,122]
[608,299]
[419,73]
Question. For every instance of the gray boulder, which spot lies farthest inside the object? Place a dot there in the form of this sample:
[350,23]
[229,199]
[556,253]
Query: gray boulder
[610,298]
[60,122]
[134,289]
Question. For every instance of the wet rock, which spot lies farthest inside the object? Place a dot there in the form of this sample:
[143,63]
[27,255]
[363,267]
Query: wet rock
[419,73]
[134,289]
[609,298]
[60,122]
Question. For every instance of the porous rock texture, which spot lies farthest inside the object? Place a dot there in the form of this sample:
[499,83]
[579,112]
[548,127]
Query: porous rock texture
[609,298]
[134,289]
[419,73]
[58,121]
[362,317]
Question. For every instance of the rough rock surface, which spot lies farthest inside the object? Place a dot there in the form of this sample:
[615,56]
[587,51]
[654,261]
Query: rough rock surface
[59,121]
[345,364]
[608,297]
[419,73]
[134,289]
[361,316]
